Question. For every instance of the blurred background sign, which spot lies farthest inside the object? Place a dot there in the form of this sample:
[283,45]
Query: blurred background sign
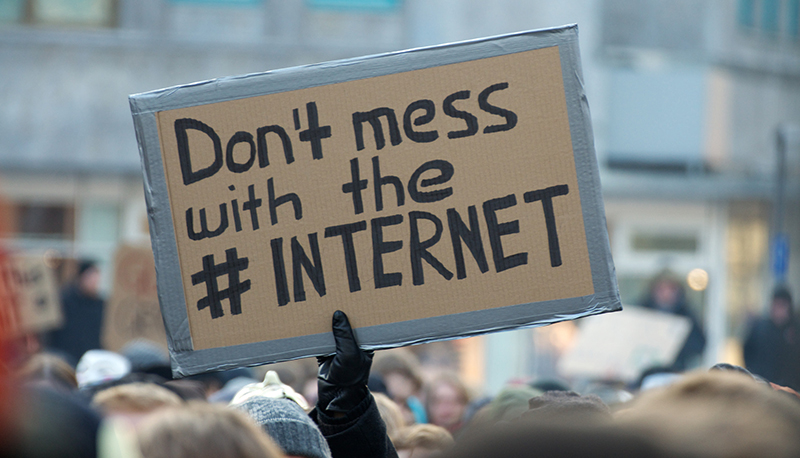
[30,287]
[620,346]
[132,311]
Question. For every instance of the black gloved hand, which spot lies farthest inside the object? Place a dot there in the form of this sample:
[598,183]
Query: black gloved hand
[343,376]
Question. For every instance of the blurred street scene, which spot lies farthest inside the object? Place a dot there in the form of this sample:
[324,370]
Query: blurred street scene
[695,107]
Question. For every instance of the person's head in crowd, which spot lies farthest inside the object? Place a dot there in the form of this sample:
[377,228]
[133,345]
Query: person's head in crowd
[446,400]
[390,412]
[509,404]
[271,387]
[567,407]
[203,430]
[146,356]
[400,371]
[188,390]
[281,412]
[666,292]
[99,366]
[557,440]
[287,424]
[88,279]
[214,381]
[49,370]
[132,401]
[401,374]
[781,312]
[717,413]
[225,394]
[504,408]
[421,441]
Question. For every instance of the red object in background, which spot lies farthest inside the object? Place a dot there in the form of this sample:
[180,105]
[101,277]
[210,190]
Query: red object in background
[9,351]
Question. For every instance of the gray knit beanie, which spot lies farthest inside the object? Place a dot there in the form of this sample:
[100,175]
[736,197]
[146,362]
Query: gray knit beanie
[288,425]
[144,354]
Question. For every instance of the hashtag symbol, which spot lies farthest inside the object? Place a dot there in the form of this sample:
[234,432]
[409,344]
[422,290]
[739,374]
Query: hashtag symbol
[231,267]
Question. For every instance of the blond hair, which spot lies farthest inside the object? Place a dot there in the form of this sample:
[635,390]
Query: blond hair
[203,430]
[47,367]
[391,413]
[425,436]
[718,414]
[135,398]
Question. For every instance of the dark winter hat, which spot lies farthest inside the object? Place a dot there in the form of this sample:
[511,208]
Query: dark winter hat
[287,424]
[144,354]
[84,265]
[782,292]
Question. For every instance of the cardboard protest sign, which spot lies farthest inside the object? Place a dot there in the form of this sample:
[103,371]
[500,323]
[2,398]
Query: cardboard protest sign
[29,291]
[40,300]
[430,194]
[621,346]
[133,309]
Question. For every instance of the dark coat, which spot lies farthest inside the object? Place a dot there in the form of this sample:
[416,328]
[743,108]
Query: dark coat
[361,433]
[83,319]
[773,352]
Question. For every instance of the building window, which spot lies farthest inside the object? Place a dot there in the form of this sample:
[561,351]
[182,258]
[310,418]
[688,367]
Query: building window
[771,18]
[793,18]
[770,12]
[370,5]
[664,242]
[90,13]
[746,13]
[12,11]
[42,221]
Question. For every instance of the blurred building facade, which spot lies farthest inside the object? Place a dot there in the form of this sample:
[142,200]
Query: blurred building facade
[687,97]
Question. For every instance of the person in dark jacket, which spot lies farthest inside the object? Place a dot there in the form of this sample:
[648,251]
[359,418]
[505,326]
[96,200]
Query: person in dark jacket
[52,423]
[772,347]
[346,412]
[83,315]
[667,295]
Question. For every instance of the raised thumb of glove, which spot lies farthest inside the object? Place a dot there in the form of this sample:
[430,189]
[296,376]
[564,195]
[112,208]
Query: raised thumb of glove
[343,376]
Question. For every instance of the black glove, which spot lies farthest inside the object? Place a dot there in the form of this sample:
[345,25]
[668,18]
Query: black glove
[343,376]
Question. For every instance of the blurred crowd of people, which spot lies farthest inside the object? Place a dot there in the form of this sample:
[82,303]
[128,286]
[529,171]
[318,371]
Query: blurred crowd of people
[74,399]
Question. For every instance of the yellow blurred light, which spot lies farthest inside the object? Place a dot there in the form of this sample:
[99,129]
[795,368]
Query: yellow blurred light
[697,279]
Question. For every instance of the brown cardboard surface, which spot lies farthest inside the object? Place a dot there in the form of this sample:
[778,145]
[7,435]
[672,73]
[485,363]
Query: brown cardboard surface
[535,154]
[132,310]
